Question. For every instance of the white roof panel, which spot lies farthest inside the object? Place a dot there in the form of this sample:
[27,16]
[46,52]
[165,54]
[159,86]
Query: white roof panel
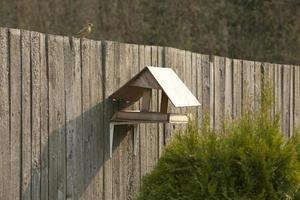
[174,88]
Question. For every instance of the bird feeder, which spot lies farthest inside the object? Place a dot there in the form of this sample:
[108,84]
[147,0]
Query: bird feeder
[140,86]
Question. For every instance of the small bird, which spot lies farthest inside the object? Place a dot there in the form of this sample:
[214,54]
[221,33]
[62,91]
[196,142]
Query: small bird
[85,31]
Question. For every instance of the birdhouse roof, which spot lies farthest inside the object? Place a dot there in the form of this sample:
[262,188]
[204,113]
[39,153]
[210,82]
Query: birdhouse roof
[164,79]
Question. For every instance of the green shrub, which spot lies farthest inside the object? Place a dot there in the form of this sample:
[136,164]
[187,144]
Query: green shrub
[250,159]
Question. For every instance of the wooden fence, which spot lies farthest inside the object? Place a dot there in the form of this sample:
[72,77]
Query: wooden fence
[54,112]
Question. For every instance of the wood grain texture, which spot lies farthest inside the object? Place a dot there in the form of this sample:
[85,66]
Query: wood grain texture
[44,119]
[161,127]
[36,115]
[151,129]
[297,98]
[86,54]
[219,88]
[212,93]
[4,115]
[108,69]
[74,153]
[199,87]
[228,89]
[278,89]
[96,84]
[15,113]
[136,167]
[285,116]
[206,87]
[248,85]
[237,88]
[291,107]
[142,128]
[257,85]
[57,167]
[26,118]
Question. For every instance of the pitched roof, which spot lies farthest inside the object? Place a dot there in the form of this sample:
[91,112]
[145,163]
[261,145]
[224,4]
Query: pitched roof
[157,78]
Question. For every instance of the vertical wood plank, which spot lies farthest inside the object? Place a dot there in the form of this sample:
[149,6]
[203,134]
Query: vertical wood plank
[206,87]
[268,81]
[109,86]
[74,156]
[278,89]
[36,115]
[135,174]
[228,89]
[151,59]
[168,57]
[143,132]
[97,122]
[188,79]
[291,107]
[248,85]
[219,87]
[257,85]
[126,144]
[237,88]
[199,88]
[297,98]
[44,120]
[286,99]
[116,156]
[193,77]
[57,174]
[212,94]
[151,129]
[4,115]
[86,121]
[161,142]
[26,118]
[15,113]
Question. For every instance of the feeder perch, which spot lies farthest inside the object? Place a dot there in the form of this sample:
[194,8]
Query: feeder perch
[140,86]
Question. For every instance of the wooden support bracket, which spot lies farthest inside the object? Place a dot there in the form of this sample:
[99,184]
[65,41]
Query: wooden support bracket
[164,103]
[111,135]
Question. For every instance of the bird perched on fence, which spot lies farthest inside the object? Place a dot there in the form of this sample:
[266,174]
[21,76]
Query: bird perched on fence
[85,31]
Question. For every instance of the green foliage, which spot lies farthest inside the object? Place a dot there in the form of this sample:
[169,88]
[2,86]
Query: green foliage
[250,159]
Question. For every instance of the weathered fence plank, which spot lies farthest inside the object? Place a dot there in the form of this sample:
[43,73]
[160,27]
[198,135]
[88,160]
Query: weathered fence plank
[291,107]
[248,85]
[86,54]
[161,140]
[297,98]
[142,128]
[237,88]
[116,156]
[219,88]
[278,89]
[97,122]
[4,116]
[151,129]
[44,120]
[26,117]
[228,89]
[57,175]
[286,99]
[206,85]
[135,172]
[15,113]
[74,132]
[109,87]
[257,85]
[199,88]
[212,93]
[36,115]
